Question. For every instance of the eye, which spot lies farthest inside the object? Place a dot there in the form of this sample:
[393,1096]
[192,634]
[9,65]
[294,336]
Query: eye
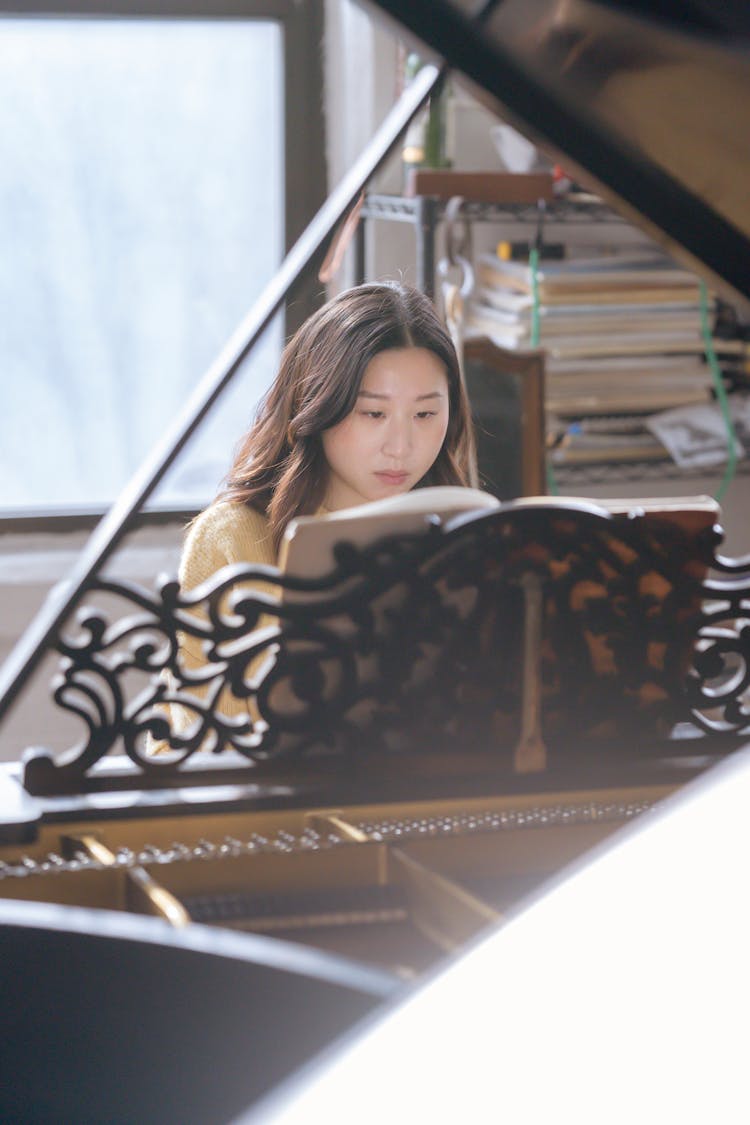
[426,413]
[373,413]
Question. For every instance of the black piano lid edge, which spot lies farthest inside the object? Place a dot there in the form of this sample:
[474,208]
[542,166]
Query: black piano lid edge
[650,196]
[274,953]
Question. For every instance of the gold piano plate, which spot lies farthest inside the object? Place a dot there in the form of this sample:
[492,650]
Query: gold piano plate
[396,885]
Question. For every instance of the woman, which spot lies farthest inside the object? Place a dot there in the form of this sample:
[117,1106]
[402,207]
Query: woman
[368,403]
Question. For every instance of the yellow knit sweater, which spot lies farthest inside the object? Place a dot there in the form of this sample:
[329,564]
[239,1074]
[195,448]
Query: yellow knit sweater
[224,533]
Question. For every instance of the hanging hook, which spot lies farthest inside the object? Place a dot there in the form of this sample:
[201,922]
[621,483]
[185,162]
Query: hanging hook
[457,250]
[465,283]
[541,213]
[457,245]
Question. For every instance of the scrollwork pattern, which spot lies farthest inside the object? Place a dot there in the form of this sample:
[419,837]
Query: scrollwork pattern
[718,685]
[413,642]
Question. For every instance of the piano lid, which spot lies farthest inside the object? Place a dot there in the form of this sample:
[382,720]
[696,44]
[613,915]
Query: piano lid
[646,104]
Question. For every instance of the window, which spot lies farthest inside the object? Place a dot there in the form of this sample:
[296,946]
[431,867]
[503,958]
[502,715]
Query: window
[142,209]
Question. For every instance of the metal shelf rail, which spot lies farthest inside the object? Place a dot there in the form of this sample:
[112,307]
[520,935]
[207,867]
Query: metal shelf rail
[426,212]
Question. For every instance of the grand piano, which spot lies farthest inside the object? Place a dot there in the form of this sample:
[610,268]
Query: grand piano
[494,856]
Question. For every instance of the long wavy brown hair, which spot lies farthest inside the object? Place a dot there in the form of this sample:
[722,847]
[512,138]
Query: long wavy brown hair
[279,467]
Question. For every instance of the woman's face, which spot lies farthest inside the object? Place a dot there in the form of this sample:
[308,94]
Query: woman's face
[395,431]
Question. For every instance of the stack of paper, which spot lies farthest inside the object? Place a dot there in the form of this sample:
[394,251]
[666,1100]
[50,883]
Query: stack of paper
[622,336]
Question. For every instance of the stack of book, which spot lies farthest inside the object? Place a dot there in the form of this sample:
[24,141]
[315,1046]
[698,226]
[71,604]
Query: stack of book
[622,336]
[608,438]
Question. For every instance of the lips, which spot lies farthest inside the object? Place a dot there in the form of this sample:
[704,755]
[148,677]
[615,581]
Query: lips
[392,477]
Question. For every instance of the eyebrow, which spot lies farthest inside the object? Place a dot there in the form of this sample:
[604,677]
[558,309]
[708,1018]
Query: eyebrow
[419,398]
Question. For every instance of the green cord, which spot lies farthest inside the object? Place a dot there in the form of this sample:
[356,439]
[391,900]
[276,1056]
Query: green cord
[535,337]
[721,395]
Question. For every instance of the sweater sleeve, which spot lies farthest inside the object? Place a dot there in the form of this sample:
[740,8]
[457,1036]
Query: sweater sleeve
[221,535]
[224,534]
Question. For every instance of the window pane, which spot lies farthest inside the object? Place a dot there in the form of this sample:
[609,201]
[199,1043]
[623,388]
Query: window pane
[141,212]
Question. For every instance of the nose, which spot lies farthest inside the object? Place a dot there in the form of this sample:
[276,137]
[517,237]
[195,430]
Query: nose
[397,441]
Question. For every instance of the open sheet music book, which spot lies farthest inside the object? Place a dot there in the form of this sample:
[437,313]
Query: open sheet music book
[308,544]
[413,657]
